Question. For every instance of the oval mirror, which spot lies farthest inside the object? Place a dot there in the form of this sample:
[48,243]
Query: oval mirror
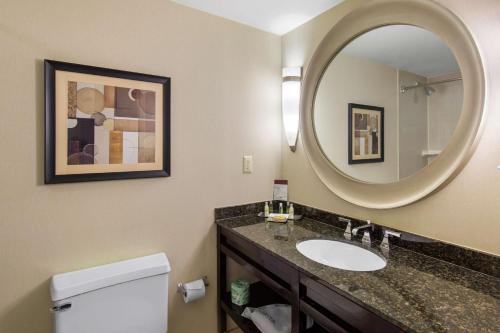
[392,102]
[388,103]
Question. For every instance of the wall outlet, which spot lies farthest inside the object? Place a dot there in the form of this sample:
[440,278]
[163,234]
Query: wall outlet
[247,164]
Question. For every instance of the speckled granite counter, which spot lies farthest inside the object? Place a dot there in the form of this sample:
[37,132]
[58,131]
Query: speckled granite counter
[416,292]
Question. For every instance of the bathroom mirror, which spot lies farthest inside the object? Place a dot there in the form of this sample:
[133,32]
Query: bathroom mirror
[388,103]
[392,103]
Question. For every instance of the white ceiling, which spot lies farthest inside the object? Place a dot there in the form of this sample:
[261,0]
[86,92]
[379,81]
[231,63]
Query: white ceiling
[405,47]
[276,16]
[401,46]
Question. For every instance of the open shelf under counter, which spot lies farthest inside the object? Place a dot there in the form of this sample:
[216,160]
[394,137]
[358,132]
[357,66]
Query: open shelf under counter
[260,295]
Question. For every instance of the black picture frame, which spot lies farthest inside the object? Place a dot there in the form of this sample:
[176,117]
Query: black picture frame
[351,107]
[50,68]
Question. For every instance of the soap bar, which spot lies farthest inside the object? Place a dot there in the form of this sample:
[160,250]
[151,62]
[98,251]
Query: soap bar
[240,292]
[278,218]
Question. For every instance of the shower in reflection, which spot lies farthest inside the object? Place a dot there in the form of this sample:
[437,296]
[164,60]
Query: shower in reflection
[427,88]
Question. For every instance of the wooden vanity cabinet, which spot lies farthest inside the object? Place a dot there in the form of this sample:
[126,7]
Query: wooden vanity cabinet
[281,282]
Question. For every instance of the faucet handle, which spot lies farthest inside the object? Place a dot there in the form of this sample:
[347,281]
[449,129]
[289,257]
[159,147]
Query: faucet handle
[348,231]
[366,240]
[388,232]
[385,242]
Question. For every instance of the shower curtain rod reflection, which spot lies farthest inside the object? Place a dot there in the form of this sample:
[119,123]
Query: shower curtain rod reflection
[427,86]
[444,81]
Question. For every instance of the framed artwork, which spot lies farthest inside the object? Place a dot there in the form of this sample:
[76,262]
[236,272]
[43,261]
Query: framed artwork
[366,134]
[104,124]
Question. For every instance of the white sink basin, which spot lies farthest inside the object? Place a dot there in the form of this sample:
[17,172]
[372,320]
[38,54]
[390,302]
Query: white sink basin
[341,255]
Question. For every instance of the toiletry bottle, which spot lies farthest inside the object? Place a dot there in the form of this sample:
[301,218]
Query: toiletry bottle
[271,209]
[291,212]
[266,210]
[281,208]
[287,207]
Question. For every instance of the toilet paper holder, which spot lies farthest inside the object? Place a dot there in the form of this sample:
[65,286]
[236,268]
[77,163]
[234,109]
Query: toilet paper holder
[182,290]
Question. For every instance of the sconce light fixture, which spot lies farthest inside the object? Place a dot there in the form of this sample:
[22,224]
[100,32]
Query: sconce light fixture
[290,103]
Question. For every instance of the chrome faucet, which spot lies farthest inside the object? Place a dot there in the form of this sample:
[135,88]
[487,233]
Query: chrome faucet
[366,240]
[347,232]
[385,242]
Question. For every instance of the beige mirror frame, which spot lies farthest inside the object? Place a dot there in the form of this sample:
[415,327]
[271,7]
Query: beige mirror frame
[433,17]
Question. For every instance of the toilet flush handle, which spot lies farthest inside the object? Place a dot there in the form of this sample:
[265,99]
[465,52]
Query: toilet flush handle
[61,308]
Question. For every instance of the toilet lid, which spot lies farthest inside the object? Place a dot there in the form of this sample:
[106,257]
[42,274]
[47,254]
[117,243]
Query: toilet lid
[78,282]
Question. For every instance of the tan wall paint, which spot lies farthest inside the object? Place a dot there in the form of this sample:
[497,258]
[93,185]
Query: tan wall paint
[466,211]
[226,97]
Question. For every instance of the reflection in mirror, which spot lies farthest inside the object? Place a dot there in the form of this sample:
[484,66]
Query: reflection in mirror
[388,103]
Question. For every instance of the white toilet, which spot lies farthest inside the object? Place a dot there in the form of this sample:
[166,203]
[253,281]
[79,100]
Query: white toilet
[125,297]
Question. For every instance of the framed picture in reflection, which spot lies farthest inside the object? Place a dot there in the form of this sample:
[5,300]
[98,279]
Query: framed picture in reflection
[104,124]
[366,134]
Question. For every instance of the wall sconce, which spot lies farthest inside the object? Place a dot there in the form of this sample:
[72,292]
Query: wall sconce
[290,103]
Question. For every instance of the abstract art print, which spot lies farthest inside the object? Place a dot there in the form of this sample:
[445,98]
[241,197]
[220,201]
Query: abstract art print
[103,124]
[366,134]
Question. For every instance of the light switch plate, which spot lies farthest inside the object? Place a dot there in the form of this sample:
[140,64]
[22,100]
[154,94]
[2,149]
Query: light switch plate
[247,164]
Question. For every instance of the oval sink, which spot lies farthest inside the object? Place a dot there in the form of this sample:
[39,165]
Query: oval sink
[341,255]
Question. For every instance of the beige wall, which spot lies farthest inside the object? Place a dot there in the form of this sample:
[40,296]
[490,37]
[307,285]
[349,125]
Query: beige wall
[466,211]
[226,97]
[347,80]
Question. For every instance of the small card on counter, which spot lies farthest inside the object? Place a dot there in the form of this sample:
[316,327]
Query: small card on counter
[280,191]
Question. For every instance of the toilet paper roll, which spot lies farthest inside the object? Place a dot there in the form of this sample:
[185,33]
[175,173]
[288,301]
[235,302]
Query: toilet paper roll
[193,290]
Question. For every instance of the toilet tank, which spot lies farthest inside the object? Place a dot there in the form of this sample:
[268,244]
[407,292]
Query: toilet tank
[129,296]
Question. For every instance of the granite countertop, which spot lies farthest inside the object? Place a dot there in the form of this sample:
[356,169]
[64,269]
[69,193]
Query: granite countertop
[416,292]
